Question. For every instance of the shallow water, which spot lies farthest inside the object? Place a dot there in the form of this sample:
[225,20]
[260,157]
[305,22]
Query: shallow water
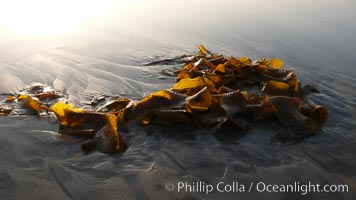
[106,56]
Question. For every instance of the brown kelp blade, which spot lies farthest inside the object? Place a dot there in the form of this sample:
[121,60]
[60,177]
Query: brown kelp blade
[288,110]
[116,105]
[233,103]
[317,118]
[107,139]
[194,84]
[160,100]
[68,115]
[202,64]
[4,110]
[171,61]
[30,103]
[199,102]
[48,95]
[277,88]
[63,111]
[10,98]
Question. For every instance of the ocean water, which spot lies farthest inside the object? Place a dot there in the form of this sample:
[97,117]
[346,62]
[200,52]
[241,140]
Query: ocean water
[105,55]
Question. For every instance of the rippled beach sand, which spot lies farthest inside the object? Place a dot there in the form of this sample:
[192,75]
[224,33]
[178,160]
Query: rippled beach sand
[106,55]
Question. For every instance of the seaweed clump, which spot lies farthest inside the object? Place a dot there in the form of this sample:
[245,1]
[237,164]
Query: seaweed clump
[211,90]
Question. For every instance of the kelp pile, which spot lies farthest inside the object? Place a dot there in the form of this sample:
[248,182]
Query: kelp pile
[211,90]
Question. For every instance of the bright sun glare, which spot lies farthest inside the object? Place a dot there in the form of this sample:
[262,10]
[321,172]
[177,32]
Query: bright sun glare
[49,17]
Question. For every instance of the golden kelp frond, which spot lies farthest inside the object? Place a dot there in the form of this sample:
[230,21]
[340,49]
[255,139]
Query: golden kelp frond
[221,68]
[196,84]
[30,103]
[276,88]
[189,83]
[111,140]
[107,139]
[203,50]
[201,101]
[188,66]
[276,63]
[62,110]
[217,79]
[245,61]
[234,62]
[188,74]
[183,74]
[163,99]
[10,98]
